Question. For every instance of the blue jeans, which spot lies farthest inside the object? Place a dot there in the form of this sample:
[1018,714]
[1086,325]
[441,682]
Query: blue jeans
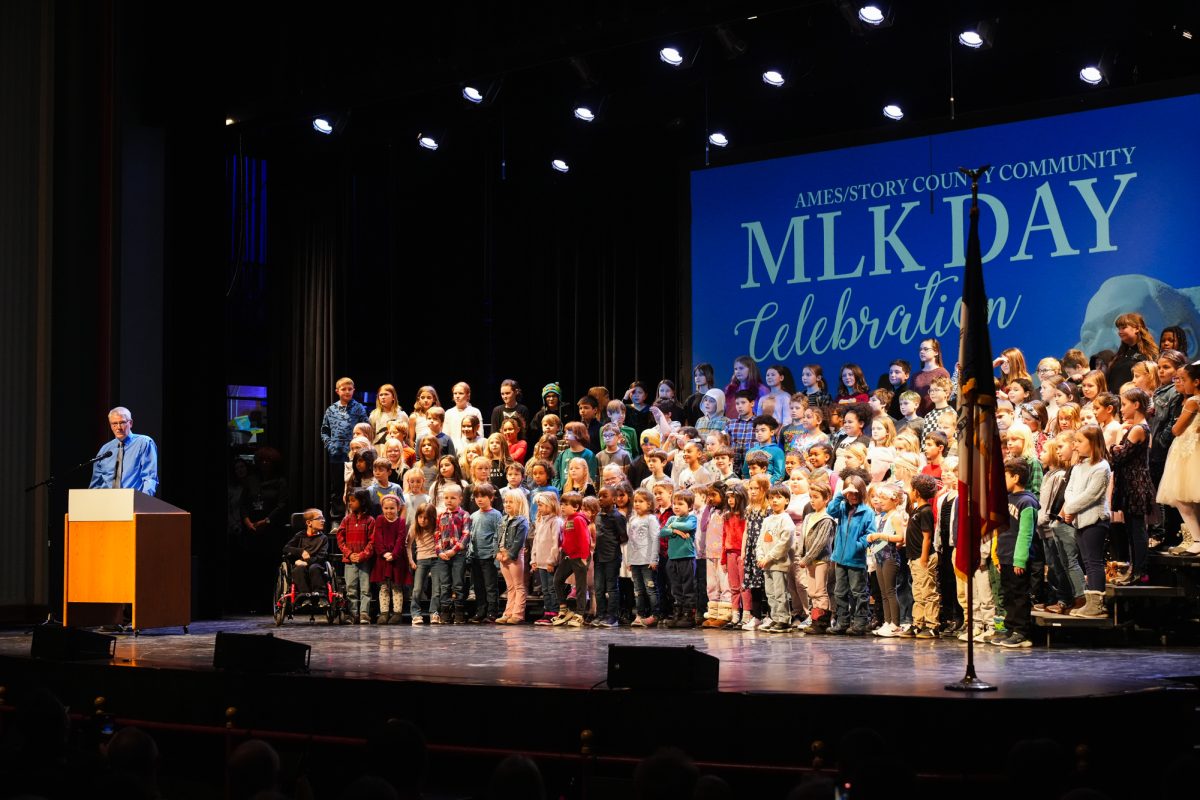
[1066,539]
[448,576]
[485,577]
[425,568]
[608,588]
[645,590]
[549,601]
[850,587]
[358,588]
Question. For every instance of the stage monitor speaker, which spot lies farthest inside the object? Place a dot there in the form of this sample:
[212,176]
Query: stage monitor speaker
[679,668]
[58,643]
[244,652]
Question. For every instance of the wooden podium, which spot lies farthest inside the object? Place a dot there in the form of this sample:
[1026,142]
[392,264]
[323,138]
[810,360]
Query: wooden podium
[122,546]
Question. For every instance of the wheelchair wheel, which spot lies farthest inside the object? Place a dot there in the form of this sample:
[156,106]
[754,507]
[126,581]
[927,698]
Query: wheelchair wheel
[282,599]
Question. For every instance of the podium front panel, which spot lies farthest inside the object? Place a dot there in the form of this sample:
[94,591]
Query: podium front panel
[101,559]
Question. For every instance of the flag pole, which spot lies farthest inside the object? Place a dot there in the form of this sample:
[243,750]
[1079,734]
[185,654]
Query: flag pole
[970,682]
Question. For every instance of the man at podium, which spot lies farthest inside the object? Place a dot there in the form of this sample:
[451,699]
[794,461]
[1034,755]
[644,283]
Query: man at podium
[129,461]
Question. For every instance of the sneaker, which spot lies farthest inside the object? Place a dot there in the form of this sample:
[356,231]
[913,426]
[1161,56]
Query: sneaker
[575,621]
[638,622]
[751,624]
[993,638]
[417,619]
[925,633]
[835,630]
[1014,641]
[885,630]
[562,618]
[856,630]
[806,624]
[596,622]
[907,632]
[434,619]
[906,627]
[607,622]
[650,621]
[768,625]
[545,620]
[981,635]
[964,636]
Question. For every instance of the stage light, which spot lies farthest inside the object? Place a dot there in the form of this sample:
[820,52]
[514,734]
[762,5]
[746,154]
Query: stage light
[980,36]
[718,139]
[1091,75]
[584,113]
[773,77]
[671,55]
[427,142]
[893,111]
[322,125]
[872,15]
[1187,35]
[472,95]
[560,166]
[230,121]
[970,39]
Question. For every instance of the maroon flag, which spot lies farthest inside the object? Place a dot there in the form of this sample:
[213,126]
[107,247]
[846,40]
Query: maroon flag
[982,494]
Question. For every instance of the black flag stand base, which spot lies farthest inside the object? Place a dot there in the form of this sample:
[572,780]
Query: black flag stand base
[970,683]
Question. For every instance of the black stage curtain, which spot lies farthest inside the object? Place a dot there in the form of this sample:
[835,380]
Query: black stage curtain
[305,287]
[411,273]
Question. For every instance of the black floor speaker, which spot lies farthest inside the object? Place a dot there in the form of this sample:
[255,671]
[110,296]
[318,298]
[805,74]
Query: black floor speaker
[683,669]
[244,652]
[58,643]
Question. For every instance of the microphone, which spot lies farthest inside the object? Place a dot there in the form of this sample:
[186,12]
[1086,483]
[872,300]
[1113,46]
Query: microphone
[100,457]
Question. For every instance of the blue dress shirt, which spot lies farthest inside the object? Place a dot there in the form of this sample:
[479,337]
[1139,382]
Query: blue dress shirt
[139,465]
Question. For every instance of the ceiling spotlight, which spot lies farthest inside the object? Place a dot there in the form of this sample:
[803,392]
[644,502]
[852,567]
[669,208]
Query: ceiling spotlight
[560,166]
[322,125]
[718,139]
[1091,75]
[970,39]
[427,142]
[671,55]
[472,95]
[893,111]
[229,121]
[1186,34]
[584,113]
[773,77]
[870,14]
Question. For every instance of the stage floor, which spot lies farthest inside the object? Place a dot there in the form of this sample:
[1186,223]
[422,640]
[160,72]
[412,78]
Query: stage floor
[754,663]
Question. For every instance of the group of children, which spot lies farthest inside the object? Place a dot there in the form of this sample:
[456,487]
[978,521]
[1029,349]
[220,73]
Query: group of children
[798,512]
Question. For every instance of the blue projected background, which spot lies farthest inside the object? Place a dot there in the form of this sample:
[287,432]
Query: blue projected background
[857,254]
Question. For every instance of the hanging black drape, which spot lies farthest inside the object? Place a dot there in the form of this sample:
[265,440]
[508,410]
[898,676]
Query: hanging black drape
[391,271]
[311,243]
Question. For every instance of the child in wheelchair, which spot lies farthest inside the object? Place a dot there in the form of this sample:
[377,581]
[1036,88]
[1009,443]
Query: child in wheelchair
[307,554]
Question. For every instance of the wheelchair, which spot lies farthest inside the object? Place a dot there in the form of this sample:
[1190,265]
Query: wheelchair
[286,604]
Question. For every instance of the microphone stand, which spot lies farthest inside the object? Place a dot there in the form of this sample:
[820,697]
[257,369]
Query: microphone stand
[49,482]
